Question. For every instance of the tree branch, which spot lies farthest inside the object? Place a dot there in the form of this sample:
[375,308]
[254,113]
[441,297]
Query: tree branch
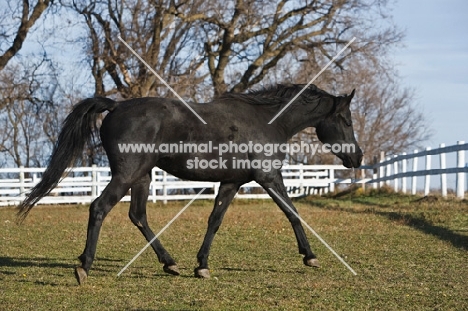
[26,23]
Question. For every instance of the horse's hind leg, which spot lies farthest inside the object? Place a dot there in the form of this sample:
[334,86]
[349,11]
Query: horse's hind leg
[137,214]
[98,210]
[225,195]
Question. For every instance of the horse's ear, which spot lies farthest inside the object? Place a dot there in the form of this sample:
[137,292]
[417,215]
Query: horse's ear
[344,102]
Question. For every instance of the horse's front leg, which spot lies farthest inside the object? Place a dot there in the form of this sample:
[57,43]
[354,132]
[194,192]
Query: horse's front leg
[273,184]
[226,193]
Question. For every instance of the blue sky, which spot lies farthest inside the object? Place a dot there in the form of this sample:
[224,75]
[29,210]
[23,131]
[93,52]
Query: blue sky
[435,62]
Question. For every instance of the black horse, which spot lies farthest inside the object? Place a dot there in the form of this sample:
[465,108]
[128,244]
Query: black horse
[231,118]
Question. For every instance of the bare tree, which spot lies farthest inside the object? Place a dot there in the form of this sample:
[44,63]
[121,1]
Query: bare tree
[165,42]
[13,35]
[219,46]
[386,117]
[250,38]
[27,113]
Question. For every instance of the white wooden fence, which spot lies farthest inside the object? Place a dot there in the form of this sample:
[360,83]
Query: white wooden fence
[402,171]
[84,184]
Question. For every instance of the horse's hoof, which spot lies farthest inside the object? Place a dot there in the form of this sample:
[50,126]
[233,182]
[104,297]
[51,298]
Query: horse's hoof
[172,269]
[202,273]
[80,275]
[313,262]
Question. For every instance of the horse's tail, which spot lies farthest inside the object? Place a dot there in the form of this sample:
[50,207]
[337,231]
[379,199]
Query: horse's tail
[77,130]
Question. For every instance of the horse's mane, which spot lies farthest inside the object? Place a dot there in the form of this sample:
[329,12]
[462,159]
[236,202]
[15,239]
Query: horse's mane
[274,95]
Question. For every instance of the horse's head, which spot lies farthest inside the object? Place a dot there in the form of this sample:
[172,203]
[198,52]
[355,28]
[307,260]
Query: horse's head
[337,131]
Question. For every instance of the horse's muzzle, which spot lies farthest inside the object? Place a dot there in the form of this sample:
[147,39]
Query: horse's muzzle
[352,159]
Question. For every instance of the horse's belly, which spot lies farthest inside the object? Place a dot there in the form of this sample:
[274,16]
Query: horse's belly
[205,168]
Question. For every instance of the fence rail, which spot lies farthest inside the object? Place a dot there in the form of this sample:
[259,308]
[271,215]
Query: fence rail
[396,170]
[84,184]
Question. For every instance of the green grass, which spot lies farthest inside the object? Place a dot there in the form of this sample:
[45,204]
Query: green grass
[408,255]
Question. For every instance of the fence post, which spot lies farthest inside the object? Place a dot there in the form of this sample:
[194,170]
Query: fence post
[21,180]
[375,172]
[331,185]
[363,176]
[98,181]
[395,171]
[301,179]
[94,183]
[461,175]
[443,176]
[381,168]
[164,187]
[427,177]
[388,172]
[415,169]
[153,188]
[403,171]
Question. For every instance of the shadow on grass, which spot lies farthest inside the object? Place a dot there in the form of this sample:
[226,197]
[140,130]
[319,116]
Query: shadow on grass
[188,274]
[109,259]
[457,240]
[16,262]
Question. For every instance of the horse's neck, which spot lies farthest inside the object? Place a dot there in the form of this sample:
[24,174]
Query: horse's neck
[296,120]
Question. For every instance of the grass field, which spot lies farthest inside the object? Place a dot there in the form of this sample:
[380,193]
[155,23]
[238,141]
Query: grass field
[409,255]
